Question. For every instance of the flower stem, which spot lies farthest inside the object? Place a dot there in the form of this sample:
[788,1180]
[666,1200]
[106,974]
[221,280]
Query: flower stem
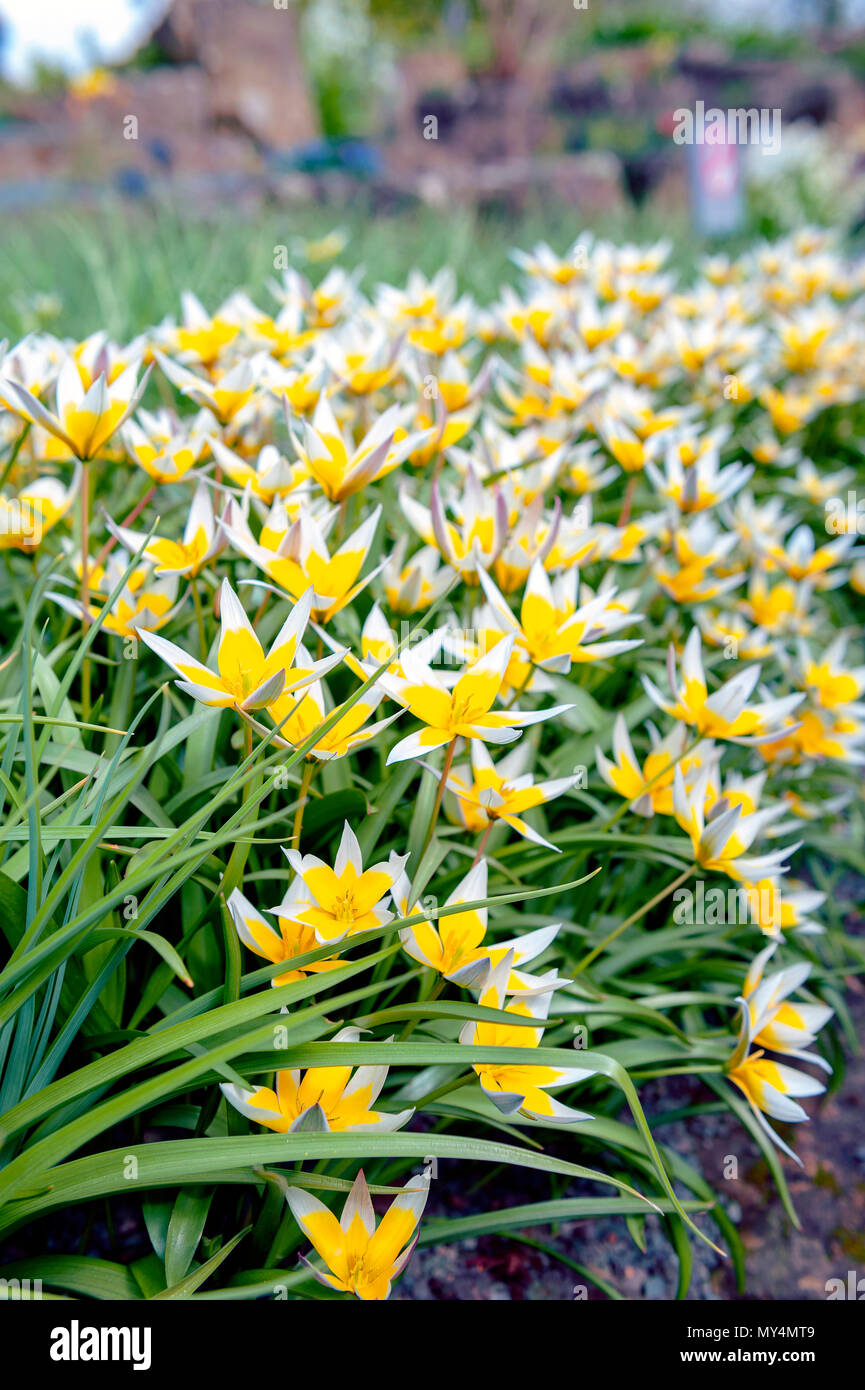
[84,528]
[308,774]
[625,514]
[259,612]
[634,917]
[199,618]
[437,987]
[449,757]
[707,1069]
[127,521]
[482,844]
[15,451]
[240,852]
[458,1081]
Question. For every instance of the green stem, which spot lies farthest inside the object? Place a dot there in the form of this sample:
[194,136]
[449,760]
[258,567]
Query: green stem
[434,993]
[634,917]
[199,618]
[440,1091]
[707,1069]
[16,450]
[240,853]
[308,774]
[127,521]
[625,513]
[84,528]
[233,962]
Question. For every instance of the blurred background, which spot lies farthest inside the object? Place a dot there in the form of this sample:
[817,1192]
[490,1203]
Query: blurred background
[417,130]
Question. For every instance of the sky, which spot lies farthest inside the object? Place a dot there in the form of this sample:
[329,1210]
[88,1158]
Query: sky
[71,34]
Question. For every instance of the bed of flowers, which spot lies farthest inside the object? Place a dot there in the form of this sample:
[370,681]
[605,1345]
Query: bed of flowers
[422,723]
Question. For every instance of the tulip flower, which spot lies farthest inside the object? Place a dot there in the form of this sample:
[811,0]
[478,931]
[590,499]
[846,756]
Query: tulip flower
[731,632]
[421,299]
[271,477]
[543,262]
[84,418]
[165,446]
[339,467]
[726,714]
[774,1089]
[33,363]
[532,539]
[799,556]
[781,906]
[201,542]
[448,405]
[488,792]
[379,642]
[359,1257]
[97,356]
[771,1021]
[299,717]
[28,516]
[231,393]
[295,556]
[722,835]
[777,607]
[650,788]
[413,586]
[143,603]
[464,712]
[695,550]
[520,1086]
[200,338]
[452,944]
[363,358]
[702,485]
[325,306]
[293,939]
[817,735]
[469,543]
[832,683]
[328,1099]
[551,631]
[343,900]
[245,678]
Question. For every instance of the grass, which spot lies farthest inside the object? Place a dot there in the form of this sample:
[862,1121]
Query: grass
[121,266]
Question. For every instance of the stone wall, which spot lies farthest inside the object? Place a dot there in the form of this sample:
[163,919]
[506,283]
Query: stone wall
[232,102]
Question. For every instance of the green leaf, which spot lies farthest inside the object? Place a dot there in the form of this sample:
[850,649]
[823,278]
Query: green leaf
[85,1276]
[231,1160]
[537,1214]
[184,1287]
[185,1230]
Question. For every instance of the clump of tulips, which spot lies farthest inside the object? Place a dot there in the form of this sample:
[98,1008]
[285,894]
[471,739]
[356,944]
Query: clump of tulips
[421,723]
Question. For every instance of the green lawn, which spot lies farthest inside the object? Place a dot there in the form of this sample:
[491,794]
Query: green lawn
[121,267]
